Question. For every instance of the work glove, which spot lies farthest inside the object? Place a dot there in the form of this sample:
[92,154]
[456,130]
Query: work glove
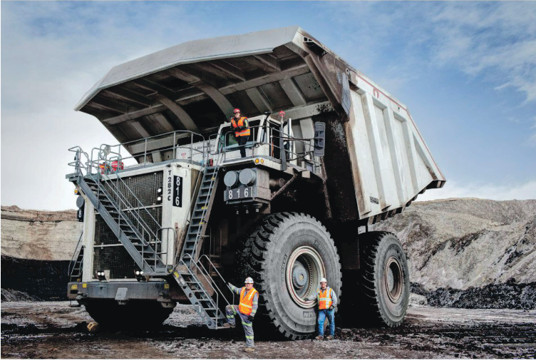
[250,317]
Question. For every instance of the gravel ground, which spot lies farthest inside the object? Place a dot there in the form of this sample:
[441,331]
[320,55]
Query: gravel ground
[55,330]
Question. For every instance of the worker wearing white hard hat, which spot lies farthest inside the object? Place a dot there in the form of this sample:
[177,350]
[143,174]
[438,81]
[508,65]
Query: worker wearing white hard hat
[246,309]
[327,300]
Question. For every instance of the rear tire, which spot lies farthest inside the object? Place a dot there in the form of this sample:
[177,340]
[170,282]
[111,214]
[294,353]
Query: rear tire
[385,285]
[286,256]
[136,314]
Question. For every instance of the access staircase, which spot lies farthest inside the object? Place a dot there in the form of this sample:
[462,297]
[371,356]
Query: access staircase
[123,218]
[142,242]
[191,272]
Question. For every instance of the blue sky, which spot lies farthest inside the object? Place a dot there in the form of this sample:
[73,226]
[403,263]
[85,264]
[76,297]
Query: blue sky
[466,70]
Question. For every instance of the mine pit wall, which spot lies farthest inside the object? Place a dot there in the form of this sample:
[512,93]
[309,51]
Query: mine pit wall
[40,280]
[37,247]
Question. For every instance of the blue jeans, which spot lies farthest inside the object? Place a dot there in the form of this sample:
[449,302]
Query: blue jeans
[330,314]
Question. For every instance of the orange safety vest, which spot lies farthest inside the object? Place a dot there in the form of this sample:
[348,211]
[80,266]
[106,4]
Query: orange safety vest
[241,122]
[324,299]
[246,301]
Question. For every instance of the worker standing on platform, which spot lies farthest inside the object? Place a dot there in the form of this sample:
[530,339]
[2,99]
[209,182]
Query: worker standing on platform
[241,131]
[249,301]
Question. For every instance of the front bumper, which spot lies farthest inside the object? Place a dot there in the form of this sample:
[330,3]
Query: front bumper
[121,291]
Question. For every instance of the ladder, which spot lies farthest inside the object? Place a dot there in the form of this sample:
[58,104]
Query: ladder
[191,271]
[75,266]
[200,214]
[207,306]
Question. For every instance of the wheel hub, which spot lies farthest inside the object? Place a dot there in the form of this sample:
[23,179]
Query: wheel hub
[300,276]
[393,279]
[304,270]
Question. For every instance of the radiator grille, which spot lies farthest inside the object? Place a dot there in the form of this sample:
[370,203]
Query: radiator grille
[117,260]
[144,188]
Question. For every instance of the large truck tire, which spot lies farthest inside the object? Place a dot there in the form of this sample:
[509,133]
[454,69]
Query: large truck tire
[135,314]
[287,255]
[385,285]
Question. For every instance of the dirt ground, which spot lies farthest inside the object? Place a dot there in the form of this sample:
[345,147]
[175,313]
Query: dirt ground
[55,330]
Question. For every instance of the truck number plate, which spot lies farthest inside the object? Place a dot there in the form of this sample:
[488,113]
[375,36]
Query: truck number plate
[238,193]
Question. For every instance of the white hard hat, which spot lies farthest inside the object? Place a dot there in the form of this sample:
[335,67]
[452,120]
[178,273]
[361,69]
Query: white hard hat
[323,280]
[248,280]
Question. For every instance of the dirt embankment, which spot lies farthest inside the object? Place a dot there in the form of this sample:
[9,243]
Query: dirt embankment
[470,253]
[39,235]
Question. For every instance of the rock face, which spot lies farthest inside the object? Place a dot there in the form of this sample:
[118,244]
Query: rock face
[463,243]
[39,235]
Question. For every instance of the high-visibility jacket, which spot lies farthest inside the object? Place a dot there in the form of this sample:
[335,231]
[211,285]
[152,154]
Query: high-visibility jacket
[324,298]
[246,301]
[242,122]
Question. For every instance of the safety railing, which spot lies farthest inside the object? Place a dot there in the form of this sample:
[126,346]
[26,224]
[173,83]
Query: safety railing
[198,268]
[141,153]
[208,272]
[278,145]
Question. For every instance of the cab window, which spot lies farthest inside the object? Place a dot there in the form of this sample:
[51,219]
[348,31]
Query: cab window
[228,139]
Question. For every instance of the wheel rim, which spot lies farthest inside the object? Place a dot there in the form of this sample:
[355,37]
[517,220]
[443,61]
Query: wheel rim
[393,279]
[304,270]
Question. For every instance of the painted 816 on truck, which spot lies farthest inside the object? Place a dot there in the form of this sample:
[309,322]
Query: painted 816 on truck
[174,209]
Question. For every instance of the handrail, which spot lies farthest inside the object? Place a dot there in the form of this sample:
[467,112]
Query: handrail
[219,275]
[191,273]
[276,134]
[206,274]
[203,214]
[120,196]
[112,192]
[173,136]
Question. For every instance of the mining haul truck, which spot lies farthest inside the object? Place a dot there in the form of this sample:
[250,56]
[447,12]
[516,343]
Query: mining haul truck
[172,212]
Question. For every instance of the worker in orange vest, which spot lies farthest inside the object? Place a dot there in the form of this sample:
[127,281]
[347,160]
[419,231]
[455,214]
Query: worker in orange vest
[249,302]
[327,300]
[242,131]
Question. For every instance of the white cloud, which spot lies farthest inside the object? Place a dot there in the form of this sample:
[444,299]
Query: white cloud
[52,53]
[454,189]
[497,40]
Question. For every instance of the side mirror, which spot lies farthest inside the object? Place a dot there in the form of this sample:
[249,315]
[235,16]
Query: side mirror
[320,138]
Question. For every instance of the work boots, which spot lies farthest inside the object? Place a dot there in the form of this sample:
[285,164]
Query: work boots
[228,326]
[249,349]
[329,337]
[319,337]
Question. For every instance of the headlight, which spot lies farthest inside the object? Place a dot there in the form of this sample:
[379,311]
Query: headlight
[230,179]
[247,177]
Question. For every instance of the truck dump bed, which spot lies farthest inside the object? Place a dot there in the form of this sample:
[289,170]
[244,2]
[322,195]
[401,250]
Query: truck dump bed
[376,161]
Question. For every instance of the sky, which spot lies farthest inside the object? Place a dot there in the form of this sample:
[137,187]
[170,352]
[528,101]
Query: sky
[466,71]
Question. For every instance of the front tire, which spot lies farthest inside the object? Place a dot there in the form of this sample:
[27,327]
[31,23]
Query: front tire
[287,255]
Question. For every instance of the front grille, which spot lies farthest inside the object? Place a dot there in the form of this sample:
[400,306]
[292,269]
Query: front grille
[116,259]
[143,186]
[132,190]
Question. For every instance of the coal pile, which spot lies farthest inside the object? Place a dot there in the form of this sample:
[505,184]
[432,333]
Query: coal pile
[24,279]
[509,295]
